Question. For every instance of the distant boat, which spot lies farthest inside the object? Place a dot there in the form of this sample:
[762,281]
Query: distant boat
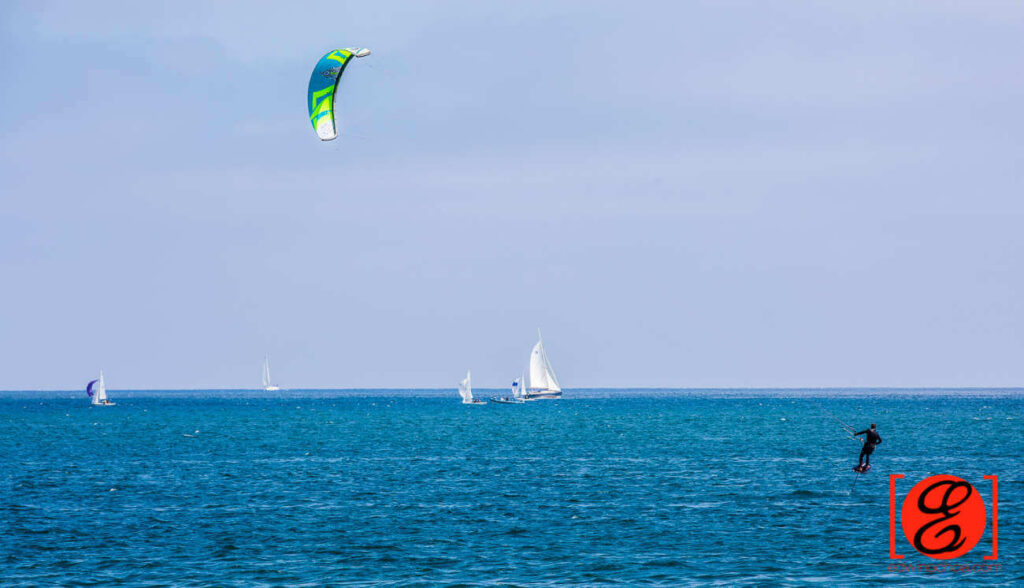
[266,376]
[97,391]
[516,396]
[466,392]
[542,384]
[519,388]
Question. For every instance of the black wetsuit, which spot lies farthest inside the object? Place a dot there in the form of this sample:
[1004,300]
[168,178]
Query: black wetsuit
[873,438]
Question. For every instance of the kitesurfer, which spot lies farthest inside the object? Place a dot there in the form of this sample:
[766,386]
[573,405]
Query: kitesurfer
[872,439]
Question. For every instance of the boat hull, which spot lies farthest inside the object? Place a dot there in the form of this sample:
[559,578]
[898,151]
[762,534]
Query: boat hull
[544,396]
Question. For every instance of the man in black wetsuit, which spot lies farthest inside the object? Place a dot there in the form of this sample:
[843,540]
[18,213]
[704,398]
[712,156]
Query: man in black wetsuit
[872,439]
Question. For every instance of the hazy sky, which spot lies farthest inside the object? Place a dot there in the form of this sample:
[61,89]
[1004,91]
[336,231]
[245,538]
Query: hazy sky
[678,194]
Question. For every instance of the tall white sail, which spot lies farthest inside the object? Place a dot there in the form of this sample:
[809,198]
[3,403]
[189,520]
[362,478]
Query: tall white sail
[101,391]
[538,369]
[100,397]
[266,375]
[543,382]
[466,390]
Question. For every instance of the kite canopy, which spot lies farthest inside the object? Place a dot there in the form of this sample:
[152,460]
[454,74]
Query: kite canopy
[322,87]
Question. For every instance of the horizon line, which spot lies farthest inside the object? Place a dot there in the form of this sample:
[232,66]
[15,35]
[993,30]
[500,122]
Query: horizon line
[581,388]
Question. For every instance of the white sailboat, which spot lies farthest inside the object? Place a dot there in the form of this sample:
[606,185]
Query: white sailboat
[266,376]
[517,393]
[542,384]
[466,391]
[97,390]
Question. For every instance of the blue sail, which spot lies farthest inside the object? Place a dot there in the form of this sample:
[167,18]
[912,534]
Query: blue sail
[88,389]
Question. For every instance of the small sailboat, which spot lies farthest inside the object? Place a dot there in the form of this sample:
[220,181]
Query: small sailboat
[266,376]
[517,393]
[97,391]
[542,384]
[466,392]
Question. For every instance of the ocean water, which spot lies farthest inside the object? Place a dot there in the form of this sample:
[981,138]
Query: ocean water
[411,488]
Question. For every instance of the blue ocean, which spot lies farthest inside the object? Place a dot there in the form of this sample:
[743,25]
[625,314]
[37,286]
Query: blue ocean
[397,487]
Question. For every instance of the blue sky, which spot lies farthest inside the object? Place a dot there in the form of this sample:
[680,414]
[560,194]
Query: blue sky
[679,194]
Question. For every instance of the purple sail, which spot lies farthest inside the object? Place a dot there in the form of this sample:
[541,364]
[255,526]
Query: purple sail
[88,389]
